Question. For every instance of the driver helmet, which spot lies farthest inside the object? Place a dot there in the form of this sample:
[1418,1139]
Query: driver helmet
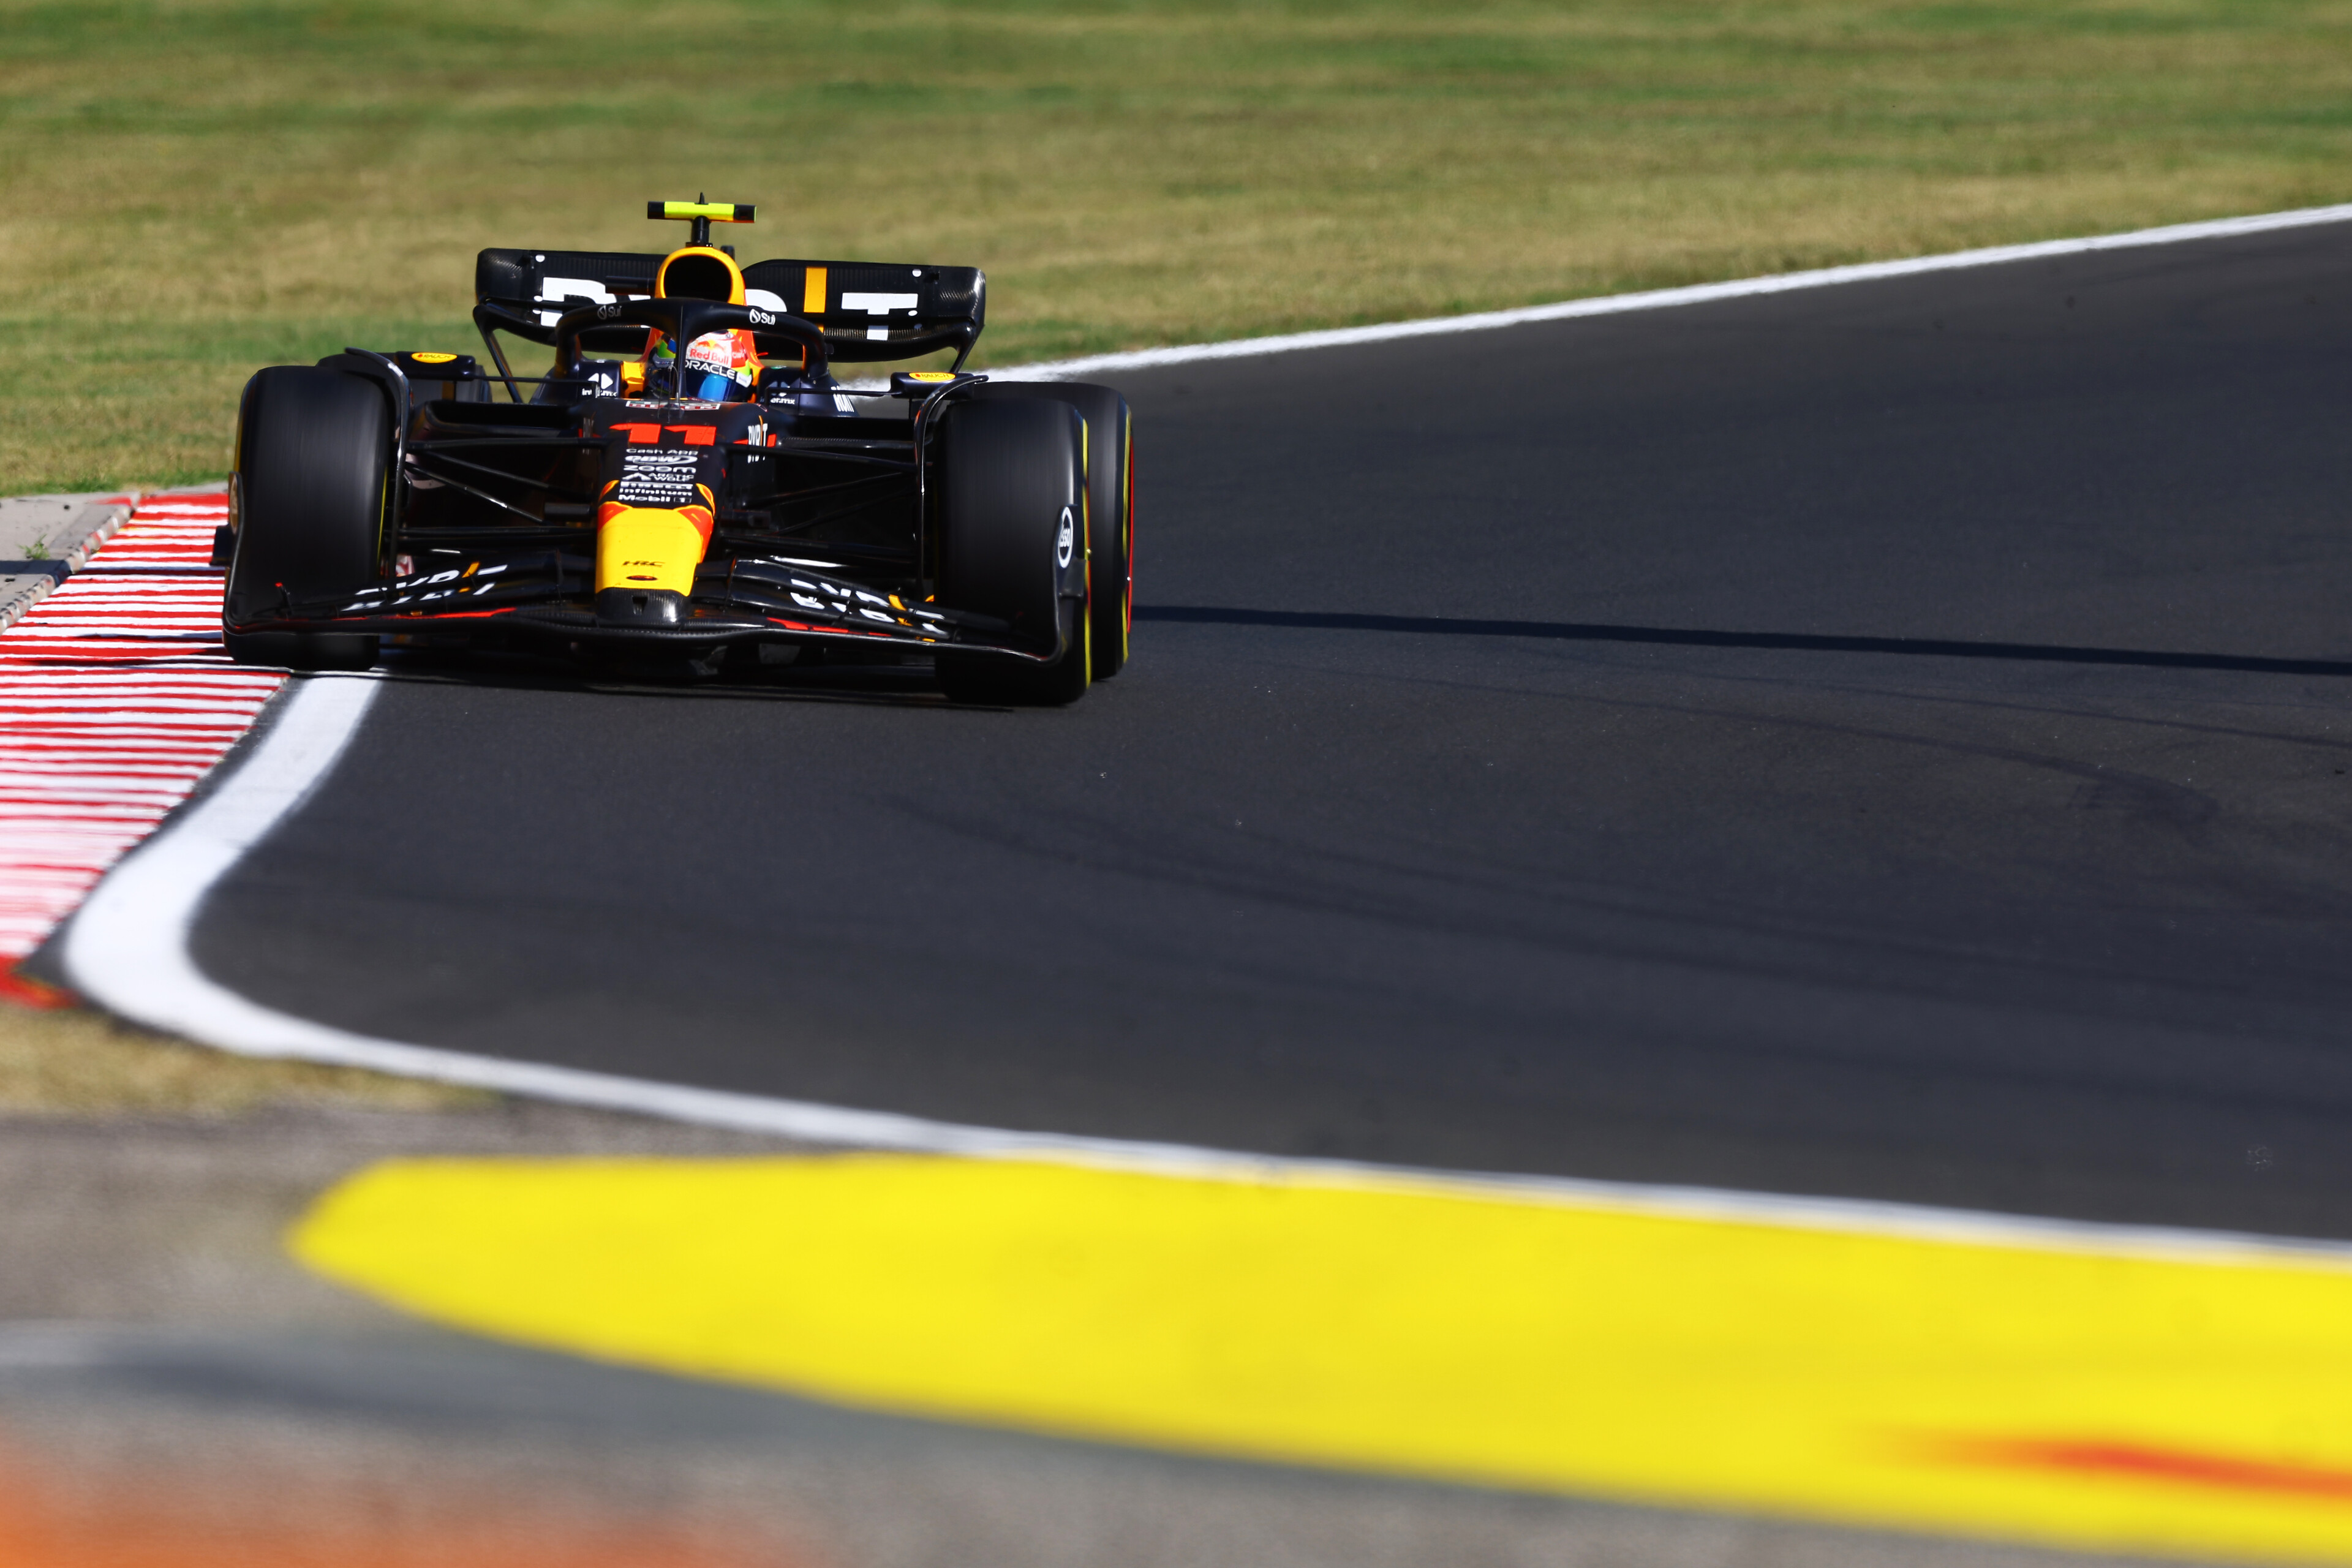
[720,367]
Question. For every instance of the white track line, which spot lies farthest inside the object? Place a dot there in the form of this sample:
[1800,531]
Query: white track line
[1668,298]
[127,947]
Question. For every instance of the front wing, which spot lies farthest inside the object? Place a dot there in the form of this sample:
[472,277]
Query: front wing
[547,599]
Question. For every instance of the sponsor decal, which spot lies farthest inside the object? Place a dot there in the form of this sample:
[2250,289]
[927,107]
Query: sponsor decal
[558,290]
[1068,543]
[763,319]
[657,477]
[563,292]
[433,358]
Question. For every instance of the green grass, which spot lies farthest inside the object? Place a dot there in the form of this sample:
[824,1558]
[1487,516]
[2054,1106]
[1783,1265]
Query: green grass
[201,186]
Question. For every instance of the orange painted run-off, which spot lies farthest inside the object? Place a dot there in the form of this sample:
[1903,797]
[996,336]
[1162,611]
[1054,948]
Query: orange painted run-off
[136,1522]
[2140,1461]
[26,992]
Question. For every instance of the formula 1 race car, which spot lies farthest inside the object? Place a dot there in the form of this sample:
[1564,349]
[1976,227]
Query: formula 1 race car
[711,497]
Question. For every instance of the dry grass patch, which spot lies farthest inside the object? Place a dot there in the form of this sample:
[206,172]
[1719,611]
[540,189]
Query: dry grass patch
[201,186]
[75,1062]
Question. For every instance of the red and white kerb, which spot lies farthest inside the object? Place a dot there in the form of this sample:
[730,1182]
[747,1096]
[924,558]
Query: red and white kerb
[116,698]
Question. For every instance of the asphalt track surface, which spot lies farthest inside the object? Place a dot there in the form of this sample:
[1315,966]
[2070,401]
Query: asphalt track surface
[1887,741]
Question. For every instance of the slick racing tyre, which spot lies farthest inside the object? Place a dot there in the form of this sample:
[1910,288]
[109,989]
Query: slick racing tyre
[1011,484]
[1110,505]
[313,449]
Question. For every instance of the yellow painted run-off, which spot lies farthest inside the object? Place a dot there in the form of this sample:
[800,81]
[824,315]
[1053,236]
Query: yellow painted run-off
[2129,1393]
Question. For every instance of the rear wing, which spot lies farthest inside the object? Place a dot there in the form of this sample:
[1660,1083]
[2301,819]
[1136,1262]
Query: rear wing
[869,310]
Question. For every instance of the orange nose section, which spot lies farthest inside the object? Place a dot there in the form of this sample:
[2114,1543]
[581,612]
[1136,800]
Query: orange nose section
[647,548]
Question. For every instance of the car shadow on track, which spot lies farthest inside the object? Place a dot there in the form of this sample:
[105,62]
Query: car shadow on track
[1579,631]
[908,686]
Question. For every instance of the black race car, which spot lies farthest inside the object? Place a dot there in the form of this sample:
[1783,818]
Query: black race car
[712,492]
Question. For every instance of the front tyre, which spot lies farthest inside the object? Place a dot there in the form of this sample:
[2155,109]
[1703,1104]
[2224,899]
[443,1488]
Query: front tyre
[313,458]
[1110,504]
[1011,486]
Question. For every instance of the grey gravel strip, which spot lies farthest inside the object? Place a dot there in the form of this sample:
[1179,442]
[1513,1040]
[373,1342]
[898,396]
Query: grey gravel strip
[54,534]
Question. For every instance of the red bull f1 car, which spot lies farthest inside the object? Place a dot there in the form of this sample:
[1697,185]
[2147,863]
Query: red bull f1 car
[689,483]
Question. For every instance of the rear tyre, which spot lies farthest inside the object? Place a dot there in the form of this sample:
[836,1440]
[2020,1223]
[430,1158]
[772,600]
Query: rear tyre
[1011,485]
[1110,505]
[314,452]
